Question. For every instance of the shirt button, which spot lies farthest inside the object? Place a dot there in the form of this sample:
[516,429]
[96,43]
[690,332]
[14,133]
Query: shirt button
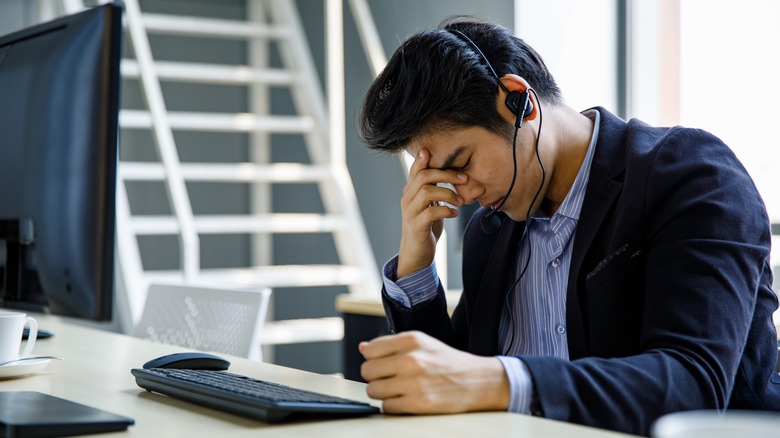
[556,263]
[561,329]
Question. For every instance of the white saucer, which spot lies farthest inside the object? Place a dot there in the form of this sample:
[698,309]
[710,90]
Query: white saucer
[22,368]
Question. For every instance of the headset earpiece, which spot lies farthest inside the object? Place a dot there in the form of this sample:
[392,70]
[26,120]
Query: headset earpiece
[516,100]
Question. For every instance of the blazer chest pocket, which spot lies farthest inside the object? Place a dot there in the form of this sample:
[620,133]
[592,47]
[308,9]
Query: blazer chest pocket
[621,265]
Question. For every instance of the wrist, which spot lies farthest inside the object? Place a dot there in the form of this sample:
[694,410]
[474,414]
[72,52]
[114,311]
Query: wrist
[405,269]
[494,391]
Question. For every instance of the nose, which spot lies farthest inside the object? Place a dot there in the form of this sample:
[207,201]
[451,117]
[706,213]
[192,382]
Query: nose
[469,191]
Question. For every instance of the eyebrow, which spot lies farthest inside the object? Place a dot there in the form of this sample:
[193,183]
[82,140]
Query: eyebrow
[452,157]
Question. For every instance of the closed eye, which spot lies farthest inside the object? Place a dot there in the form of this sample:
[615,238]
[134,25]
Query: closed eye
[463,167]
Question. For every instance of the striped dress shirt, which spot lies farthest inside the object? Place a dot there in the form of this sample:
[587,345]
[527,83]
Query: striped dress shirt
[533,322]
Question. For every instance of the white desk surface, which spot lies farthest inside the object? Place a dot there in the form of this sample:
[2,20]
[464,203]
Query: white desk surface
[96,372]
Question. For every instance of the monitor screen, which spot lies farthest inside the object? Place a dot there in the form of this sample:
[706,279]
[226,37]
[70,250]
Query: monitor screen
[59,102]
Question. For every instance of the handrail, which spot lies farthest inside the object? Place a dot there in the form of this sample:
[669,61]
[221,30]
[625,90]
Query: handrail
[188,236]
[336,78]
[369,35]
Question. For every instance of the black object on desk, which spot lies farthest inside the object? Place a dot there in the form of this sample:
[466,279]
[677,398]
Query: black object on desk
[42,334]
[359,328]
[34,414]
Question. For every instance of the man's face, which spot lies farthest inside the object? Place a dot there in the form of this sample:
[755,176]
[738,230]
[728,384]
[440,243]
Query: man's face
[487,160]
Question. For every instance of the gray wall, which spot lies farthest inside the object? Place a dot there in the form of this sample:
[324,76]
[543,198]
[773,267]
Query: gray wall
[378,179]
[16,14]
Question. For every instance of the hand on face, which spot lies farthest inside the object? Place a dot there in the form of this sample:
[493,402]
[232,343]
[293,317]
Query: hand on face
[412,372]
[422,212]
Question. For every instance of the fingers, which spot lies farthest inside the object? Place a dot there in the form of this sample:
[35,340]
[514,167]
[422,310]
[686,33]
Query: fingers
[388,356]
[389,345]
[412,404]
[400,405]
[392,369]
[384,389]
[429,195]
[420,162]
[401,396]
[413,390]
[421,176]
[423,200]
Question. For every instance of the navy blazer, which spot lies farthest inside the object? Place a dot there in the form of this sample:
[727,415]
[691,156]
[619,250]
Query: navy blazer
[669,301]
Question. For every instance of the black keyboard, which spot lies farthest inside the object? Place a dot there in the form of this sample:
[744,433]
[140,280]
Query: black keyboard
[245,396]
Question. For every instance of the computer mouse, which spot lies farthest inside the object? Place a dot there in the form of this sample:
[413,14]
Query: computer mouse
[195,360]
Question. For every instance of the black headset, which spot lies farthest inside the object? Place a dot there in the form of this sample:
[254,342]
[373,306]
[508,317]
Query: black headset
[514,99]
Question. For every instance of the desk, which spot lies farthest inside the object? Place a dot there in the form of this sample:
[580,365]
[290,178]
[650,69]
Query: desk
[372,306]
[96,372]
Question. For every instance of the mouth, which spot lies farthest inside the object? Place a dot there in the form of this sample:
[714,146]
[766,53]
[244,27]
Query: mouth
[496,205]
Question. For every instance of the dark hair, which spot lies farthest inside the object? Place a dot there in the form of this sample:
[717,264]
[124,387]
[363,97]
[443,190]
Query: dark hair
[436,81]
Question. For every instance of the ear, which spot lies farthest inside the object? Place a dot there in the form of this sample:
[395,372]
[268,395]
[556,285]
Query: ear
[516,83]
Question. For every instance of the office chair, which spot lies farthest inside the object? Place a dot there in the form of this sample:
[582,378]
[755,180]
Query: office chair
[205,318]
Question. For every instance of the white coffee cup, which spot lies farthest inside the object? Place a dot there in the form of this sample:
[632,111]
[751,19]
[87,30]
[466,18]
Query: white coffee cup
[11,328]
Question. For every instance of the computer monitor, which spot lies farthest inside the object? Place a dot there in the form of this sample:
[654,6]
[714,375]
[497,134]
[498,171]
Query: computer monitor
[59,103]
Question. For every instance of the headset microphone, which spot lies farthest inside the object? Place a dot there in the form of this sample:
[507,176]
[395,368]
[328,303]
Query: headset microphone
[490,223]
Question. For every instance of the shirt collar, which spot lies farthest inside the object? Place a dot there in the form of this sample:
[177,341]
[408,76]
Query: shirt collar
[572,204]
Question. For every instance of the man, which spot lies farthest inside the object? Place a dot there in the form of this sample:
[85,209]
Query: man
[616,272]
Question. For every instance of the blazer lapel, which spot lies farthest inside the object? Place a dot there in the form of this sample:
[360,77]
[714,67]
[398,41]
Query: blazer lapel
[490,300]
[604,186]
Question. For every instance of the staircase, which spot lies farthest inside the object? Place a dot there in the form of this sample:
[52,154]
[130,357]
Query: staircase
[273,31]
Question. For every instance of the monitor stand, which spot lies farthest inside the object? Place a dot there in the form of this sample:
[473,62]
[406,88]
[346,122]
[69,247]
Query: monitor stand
[20,287]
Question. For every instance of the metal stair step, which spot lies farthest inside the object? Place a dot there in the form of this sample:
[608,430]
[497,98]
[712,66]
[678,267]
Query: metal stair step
[211,73]
[267,276]
[228,172]
[237,224]
[219,122]
[210,27]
